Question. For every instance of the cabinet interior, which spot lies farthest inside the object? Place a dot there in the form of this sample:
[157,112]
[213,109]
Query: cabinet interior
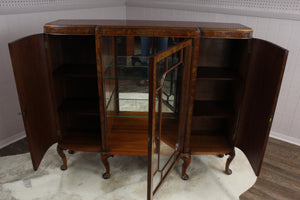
[74,70]
[218,94]
[126,86]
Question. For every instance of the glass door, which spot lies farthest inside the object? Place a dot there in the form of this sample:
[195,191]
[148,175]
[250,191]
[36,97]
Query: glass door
[168,76]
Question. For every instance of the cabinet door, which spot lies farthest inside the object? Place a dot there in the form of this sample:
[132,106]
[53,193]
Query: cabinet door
[32,80]
[168,72]
[265,71]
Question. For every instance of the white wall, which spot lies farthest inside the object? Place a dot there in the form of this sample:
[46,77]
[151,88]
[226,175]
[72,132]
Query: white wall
[32,6]
[16,26]
[284,32]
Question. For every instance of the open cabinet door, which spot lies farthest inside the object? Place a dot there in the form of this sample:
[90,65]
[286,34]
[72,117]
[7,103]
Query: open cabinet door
[168,73]
[265,71]
[32,80]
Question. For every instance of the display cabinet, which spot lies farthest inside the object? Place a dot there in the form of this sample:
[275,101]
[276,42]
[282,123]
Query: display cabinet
[213,89]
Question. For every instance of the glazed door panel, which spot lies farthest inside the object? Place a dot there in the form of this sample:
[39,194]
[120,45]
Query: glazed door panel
[32,80]
[265,71]
[107,84]
[168,73]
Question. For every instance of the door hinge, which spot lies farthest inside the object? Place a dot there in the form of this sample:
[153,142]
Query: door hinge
[46,44]
[270,119]
[59,136]
[249,46]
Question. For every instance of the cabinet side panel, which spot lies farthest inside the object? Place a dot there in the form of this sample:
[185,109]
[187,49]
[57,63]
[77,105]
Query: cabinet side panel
[32,81]
[266,67]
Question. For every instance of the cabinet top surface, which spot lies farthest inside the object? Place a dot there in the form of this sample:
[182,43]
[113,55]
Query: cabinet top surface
[207,29]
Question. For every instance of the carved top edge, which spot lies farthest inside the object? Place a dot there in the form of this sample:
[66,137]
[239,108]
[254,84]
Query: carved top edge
[207,29]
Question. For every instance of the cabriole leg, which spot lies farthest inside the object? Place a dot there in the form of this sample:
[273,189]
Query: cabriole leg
[104,158]
[230,158]
[71,152]
[186,162]
[61,153]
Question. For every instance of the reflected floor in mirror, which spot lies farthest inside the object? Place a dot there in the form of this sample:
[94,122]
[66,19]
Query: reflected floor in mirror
[83,179]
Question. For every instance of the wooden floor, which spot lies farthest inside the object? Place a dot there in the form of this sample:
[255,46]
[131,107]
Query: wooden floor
[280,174]
[279,178]
[16,148]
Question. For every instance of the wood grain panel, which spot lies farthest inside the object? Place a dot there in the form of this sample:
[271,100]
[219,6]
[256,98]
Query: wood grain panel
[213,90]
[32,79]
[266,67]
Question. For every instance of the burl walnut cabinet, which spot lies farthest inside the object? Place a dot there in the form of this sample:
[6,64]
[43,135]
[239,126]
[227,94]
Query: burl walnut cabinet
[213,89]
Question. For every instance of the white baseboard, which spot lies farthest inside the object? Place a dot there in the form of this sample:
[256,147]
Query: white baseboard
[285,138]
[7,141]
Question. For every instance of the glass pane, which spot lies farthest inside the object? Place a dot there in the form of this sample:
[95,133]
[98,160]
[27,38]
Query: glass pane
[130,86]
[126,77]
[128,68]
[169,80]
[169,126]
[127,86]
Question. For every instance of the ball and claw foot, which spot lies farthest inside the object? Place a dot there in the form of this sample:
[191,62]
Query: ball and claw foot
[186,162]
[104,158]
[71,152]
[185,177]
[228,172]
[63,167]
[106,175]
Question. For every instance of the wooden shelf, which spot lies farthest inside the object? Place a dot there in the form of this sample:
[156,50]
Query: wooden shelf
[77,71]
[129,136]
[80,106]
[209,144]
[128,142]
[169,138]
[216,73]
[137,114]
[89,141]
[212,109]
